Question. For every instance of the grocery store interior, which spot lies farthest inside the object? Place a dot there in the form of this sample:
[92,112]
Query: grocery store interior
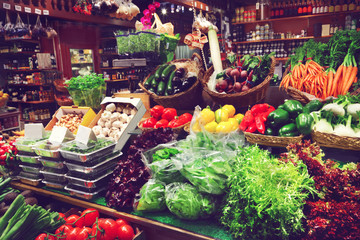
[179,119]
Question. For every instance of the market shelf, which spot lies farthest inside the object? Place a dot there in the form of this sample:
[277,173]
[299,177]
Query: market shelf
[154,226]
[109,54]
[113,68]
[282,59]
[23,40]
[23,52]
[299,17]
[274,40]
[29,70]
[29,85]
[8,129]
[37,121]
[117,80]
[33,102]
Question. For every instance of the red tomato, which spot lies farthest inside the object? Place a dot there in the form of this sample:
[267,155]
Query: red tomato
[186,117]
[45,236]
[169,114]
[163,123]
[73,234]
[176,123]
[125,232]
[149,123]
[90,216]
[121,222]
[110,229]
[157,111]
[61,215]
[72,218]
[84,233]
[62,231]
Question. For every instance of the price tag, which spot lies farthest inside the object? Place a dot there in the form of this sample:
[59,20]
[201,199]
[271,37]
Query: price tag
[6,6]
[201,6]
[59,134]
[195,4]
[34,131]
[207,8]
[46,12]
[27,9]
[257,6]
[84,135]
[37,11]
[18,8]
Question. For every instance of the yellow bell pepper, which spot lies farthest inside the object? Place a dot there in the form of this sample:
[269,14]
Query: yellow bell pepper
[211,127]
[224,127]
[230,109]
[221,115]
[234,124]
[196,127]
[239,117]
[206,116]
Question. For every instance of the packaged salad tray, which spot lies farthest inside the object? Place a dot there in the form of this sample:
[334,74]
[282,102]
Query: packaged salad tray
[29,159]
[92,183]
[87,193]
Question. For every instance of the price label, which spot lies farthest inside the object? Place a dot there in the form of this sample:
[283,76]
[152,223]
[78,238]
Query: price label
[6,6]
[84,135]
[257,6]
[201,6]
[18,8]
[58,134]
[27,9]
[46,12]
[195,4]
[34,131]
[207,8]
[37,11]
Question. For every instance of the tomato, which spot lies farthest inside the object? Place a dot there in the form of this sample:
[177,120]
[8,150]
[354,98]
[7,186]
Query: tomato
[163,123]
[61,215]
[175,123]
[73,234]
[169,114]
[157,111]
[84,233]
[72,218]
[62,231]
[186,117]
[149,123]
[121,222]
[125,232]
[45,236]
[89,216]
[110,229]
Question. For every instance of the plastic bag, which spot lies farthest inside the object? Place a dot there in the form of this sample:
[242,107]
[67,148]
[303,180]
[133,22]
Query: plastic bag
[183,200]
[9,27]
[151,197]
[2,30]
[20,28]
[38,30]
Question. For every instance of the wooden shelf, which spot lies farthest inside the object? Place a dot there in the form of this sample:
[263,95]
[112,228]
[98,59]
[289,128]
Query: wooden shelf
[12,128]
[24,40]
[23,53]
[117,80]
[109,54]
[298,17]
[37,121]
[282,59]
[274,40]
[113,68]
[28,70]
[29,85]
[33,102]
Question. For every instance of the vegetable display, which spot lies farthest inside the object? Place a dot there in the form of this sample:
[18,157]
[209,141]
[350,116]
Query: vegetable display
[8,159]
[266,197]
[114,120]
[71,121]
[249,72]
[92,146]
[152,197]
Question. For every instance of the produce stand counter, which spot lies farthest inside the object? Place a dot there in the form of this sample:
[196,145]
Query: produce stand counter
[159,226]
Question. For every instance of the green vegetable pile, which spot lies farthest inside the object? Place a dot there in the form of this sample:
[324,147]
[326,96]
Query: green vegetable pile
[266,197]
[88,90]
[92,146]
[25,222]
[152,197]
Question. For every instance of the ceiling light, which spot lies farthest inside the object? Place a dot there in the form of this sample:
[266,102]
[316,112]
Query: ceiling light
[163,11]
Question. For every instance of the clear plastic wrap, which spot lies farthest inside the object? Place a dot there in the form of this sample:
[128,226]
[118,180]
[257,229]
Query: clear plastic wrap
[151,197]
[184,200]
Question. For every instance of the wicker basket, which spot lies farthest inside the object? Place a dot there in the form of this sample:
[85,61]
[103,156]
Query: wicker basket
[183,100]
[59,87]
[176,130]
[60,102]
[334,141]
[242,99]
[273,141]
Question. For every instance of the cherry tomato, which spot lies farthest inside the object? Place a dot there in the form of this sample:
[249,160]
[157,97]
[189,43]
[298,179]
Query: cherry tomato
[62,231]
[73,234]
[61,215]
[125,232]
[84,233]
[45,236]
[121,222]
[110,229]
[72,218]
[90,217]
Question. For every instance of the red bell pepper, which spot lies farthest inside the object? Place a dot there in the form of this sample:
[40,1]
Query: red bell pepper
[177,122]
[252,128]
[149,123]
[169,114]
[259,108]
[162,123]
[266,114]
[186,117]
[260,124]
[157,111]
[247,121]
[2,157]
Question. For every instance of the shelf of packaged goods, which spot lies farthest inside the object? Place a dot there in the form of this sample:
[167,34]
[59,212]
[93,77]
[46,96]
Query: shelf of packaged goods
[166,231]
[113,68]
[299,17]
[28,70]
[116,80]
[22,53]
[36,121]
[28,85]
[274,40]
[33,102]
[109,54]
[9,129]
[23,40]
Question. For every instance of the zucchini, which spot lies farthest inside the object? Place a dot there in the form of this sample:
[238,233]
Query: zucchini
[161,88]
[159,71]
[169,86]
[154,83]
[147,83]
[166,72]
[152,90]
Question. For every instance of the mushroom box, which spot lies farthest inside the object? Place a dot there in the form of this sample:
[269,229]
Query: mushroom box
[117,118]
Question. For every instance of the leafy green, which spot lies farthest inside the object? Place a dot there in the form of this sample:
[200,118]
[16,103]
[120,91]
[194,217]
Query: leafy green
[183,200]
[92,146]
[266,197]
[152,197]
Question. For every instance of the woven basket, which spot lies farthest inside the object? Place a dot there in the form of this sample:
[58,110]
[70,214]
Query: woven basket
[63,103]
[183,100]
[297,95]
[176,130]
[334,141]
[273,141]
[242,99]
[59,87]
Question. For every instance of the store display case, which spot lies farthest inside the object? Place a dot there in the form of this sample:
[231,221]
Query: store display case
[81,61]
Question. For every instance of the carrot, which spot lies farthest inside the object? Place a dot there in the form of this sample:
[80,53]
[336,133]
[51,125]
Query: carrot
[350,80]
[338,74]
[330,82]
[345,79]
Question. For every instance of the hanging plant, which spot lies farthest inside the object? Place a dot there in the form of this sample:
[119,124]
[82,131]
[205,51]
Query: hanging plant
[148,14]
[83,6]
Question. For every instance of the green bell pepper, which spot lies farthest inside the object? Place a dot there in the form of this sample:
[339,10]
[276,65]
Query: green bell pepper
[288,130]
[314,105]
[269,131]
[304,123]
[293,107]
[281,106]
[277,118]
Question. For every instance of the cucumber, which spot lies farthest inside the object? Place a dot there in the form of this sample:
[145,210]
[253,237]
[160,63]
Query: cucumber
[154,83]
[166,72]
[161,88]
[159,71]
[152,90]
[147,83]
[169,86]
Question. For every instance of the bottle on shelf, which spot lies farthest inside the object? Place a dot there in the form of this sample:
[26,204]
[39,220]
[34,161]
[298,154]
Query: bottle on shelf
[299,8]
[321,10]
[337,6]
[309,7]
[277,9]
[304,8]
[282,9]
[331,6]
[345,6]
[326,7]
[352,5]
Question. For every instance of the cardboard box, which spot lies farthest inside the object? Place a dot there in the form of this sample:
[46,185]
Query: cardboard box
[137,103]
[88,116]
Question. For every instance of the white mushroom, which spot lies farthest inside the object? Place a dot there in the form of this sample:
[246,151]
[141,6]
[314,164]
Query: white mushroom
[100,136]
[108,124]
[105,131]
[106,115]
[117,124]
[101,123]
[115,116]
[127,110]
[117,136]
[119,108]
[97,130]
[133,111]
[111,107]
